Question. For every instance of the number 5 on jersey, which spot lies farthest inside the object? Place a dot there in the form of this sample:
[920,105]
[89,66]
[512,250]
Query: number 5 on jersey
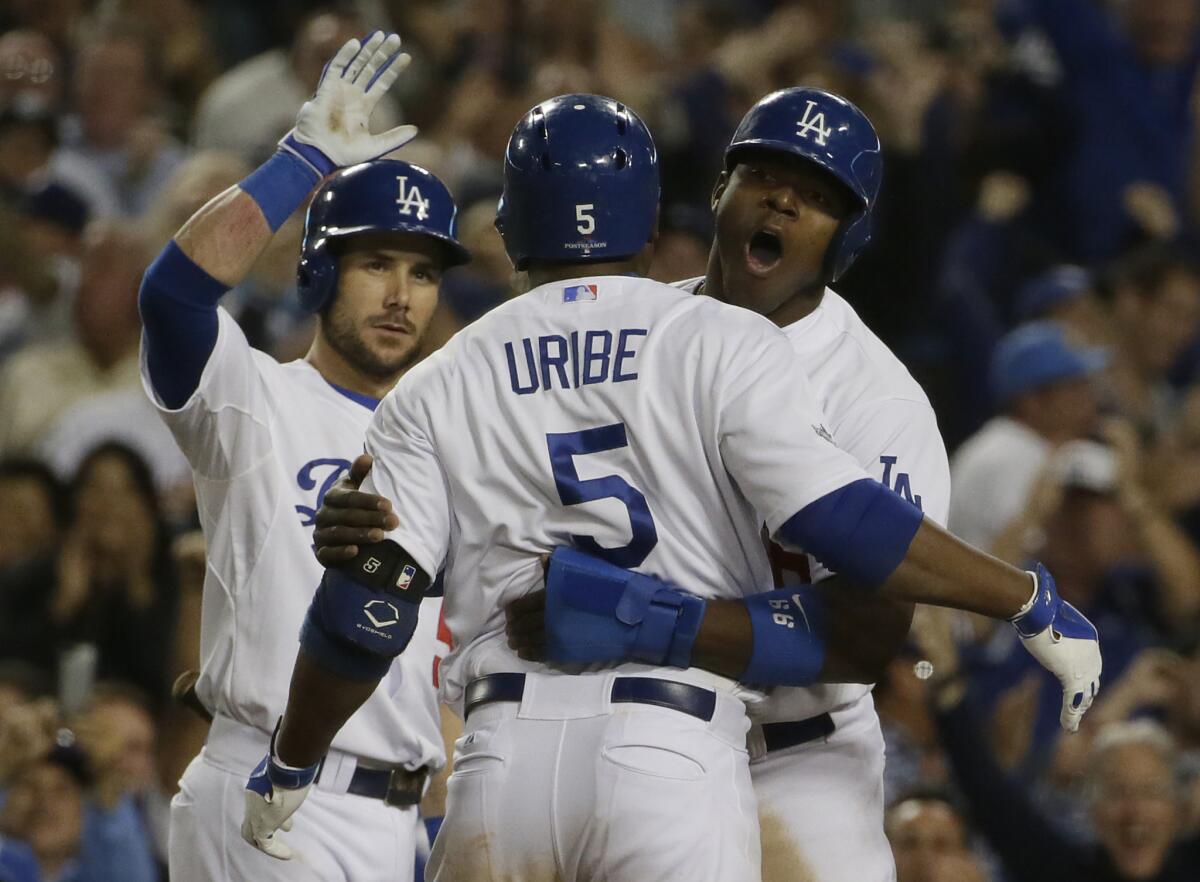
[572,490]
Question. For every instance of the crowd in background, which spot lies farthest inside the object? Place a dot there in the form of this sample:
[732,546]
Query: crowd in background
[1035,265]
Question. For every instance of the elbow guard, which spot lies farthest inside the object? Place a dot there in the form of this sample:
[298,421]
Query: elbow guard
[789,637]
[365,612]
[861,531]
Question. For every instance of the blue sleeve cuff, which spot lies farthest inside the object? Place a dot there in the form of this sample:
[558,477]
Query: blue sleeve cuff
[789,637]
[861,531]
[280,185]
[178,304]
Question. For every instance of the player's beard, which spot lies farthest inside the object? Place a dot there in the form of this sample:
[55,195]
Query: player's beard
[346,339]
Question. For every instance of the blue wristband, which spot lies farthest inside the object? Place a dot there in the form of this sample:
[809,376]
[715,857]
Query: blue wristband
[1042,607]
[280,185]
[789,637]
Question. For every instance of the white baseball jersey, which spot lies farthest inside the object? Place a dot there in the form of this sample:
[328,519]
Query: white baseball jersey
[879,415]
[265,441]
[606,413]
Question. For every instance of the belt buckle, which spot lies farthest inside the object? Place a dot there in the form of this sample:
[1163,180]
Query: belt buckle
[405,788]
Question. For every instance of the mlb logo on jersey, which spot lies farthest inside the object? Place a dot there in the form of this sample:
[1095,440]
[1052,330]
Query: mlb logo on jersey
[406,577]
[579,293]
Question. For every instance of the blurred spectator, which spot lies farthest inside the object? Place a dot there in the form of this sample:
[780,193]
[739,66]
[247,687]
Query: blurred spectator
[929,840]
[112,584]
[1154,304]
[20,684]
[1066,295]
[1128,70]
[1114,555]
[685,234]
[1133,795]
[33,512]
[30,158]
[914,757]
[38,384]
[188,58]
[115,128]
[54,18]
[74,839]
[1043,386]
[118,733]
[251,106]
[33,72]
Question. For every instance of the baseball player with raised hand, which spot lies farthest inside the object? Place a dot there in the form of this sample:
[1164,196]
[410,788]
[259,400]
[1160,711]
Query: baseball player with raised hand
[793,210]
[265,440]
[657,431]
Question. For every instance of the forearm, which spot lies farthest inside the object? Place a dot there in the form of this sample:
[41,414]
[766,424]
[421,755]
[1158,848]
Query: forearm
[863,633]
[319,704]
[942,570]
[226,236]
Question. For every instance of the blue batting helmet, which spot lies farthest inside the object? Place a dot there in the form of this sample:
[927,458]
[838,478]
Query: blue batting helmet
[830,131]
[385,195]
[580,182]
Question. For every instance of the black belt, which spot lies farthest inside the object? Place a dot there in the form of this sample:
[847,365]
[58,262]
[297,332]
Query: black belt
[780,736]
[396,787]
[682,697]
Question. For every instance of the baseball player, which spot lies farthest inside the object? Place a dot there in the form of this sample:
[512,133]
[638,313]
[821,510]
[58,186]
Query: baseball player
[265,440]
[657,431]
[806,162]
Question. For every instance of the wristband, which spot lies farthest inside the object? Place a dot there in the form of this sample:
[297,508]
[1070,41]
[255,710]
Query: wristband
[280,185]
[788,626]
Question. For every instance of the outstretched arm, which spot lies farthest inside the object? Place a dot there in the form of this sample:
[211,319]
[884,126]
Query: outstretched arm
[217,246]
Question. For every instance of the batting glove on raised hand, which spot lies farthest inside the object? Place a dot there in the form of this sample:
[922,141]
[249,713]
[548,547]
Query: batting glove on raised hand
[332,128]
[1065,643]
[273,794]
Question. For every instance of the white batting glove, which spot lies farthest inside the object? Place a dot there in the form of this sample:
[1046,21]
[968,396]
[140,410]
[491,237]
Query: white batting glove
[273,794]
[1065,643]
[332,127]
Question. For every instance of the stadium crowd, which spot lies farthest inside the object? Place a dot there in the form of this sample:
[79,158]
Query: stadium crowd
[1035,264]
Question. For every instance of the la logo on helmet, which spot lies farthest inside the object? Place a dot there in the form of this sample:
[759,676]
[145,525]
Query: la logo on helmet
[410,198]
[813,123]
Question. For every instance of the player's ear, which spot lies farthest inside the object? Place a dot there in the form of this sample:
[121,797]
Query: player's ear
[719,189]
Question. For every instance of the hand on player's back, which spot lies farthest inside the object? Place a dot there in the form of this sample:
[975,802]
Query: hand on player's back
[525,625]
[349,517]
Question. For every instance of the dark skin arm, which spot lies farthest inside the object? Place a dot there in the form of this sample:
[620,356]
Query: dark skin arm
[319,703]
[865,633]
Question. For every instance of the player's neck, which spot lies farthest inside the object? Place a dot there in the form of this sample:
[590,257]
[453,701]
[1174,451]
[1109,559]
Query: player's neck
[339,371]
[801,304]
[549,273]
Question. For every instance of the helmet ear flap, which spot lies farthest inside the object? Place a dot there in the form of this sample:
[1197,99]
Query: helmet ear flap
[316,276]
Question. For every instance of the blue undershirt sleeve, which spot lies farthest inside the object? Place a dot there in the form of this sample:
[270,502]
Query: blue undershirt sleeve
[861,530]
[178,303]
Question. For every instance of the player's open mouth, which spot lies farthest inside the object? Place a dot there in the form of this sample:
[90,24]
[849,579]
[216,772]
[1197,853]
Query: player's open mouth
[763,252]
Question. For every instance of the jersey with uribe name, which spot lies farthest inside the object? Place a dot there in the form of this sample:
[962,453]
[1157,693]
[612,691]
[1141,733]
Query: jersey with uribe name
[265,441]
[626,418]
[876,412]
